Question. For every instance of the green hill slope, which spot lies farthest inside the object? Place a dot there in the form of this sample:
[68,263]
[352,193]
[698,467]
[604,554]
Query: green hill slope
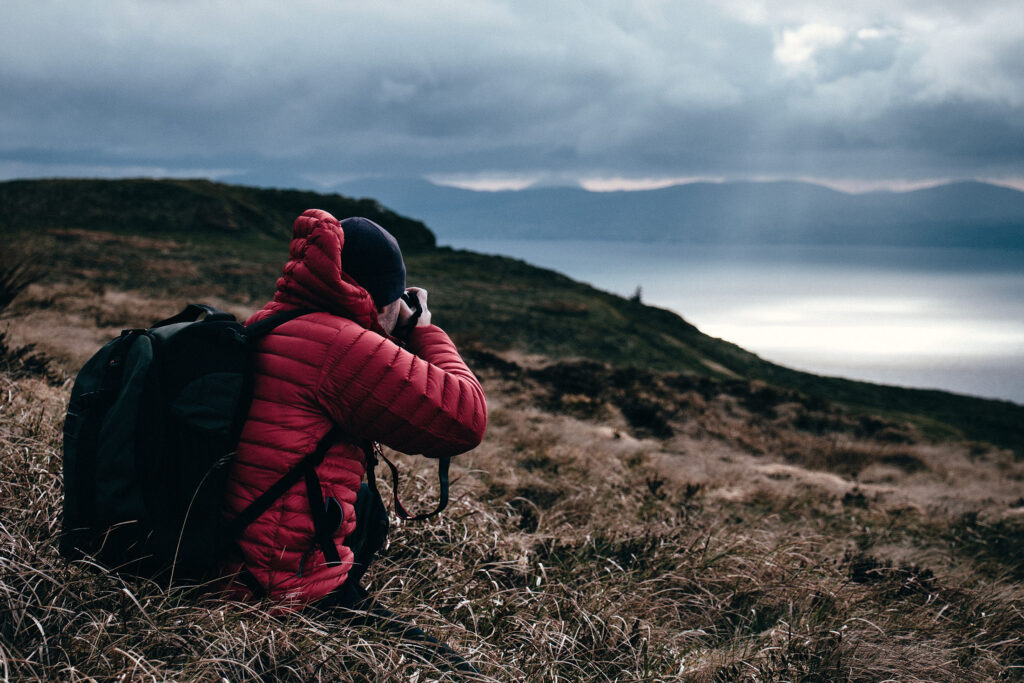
[230,241]
[182,208]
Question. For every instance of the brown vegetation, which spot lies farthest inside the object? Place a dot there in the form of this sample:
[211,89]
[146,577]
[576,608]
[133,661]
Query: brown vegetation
[616,525]
[582,547]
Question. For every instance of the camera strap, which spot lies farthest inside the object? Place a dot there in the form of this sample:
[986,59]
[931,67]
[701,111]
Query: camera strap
[374,453]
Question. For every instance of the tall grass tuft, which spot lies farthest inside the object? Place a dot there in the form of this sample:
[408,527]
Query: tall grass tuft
[19,267]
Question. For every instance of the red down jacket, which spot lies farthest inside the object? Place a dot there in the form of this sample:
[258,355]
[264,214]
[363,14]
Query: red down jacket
[336,367]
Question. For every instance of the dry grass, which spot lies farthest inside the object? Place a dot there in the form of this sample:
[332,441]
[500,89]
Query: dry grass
[573,551]
[614,526]
[18,269]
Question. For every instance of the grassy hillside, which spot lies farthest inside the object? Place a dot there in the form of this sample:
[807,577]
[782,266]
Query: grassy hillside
[208,239]
[183,208]
[649,504]
[581,550]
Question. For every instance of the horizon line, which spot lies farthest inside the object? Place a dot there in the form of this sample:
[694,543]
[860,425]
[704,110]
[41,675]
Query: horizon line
[505,184]
[624,184]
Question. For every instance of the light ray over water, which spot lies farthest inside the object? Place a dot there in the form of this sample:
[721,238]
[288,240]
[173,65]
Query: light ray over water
[870,327]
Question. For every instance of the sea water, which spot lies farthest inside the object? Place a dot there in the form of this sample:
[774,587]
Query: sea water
[948,319]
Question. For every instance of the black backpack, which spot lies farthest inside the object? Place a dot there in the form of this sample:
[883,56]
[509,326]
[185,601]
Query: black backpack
[153,421]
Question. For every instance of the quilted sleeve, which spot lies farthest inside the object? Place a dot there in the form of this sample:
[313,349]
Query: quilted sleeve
[422,400]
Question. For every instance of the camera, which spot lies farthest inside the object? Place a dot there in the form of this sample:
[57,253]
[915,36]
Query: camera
[414,303]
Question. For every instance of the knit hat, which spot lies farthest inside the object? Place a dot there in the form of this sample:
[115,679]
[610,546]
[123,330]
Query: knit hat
[372,257]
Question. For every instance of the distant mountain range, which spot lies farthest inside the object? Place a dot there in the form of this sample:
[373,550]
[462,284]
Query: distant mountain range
[961,214]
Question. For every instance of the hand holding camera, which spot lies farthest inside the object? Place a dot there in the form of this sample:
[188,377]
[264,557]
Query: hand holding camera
[414,312]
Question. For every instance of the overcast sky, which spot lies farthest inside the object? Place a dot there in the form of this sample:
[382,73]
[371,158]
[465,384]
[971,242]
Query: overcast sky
[861,93]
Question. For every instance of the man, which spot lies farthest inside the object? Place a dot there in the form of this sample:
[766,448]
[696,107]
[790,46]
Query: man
[339,373]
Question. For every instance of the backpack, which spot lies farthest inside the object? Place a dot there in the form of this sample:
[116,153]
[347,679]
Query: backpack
[152,424]
[153,420]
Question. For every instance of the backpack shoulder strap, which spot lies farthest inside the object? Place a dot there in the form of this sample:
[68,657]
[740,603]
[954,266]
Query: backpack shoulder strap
[263,327]
[236,526]
[192,312]
[289,479]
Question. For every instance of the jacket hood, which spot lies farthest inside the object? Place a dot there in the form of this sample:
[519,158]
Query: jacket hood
[314,277]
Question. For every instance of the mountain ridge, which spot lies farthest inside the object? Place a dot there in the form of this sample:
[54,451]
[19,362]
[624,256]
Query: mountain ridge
[958,214]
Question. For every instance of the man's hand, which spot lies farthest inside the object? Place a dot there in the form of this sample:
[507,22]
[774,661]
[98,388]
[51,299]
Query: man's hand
[405,314]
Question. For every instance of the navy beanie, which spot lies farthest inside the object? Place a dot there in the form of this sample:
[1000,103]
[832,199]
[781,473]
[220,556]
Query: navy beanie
[371,256]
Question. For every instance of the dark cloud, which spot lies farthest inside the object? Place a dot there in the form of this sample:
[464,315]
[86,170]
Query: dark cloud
[735,88]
